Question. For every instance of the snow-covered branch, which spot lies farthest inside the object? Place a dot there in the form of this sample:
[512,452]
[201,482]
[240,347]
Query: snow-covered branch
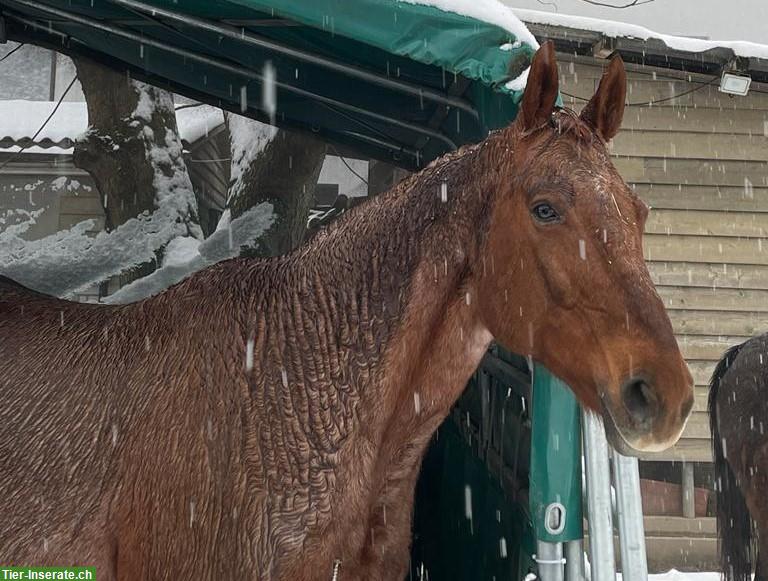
[63,263]
[185,256]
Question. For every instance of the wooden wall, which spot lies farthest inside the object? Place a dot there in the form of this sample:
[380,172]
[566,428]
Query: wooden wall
[701,162]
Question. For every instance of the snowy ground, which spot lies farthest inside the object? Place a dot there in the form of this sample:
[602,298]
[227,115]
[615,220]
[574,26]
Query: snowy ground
[675,575]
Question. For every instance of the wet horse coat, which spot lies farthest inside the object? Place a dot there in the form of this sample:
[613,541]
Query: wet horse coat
[267,419]
[738,413]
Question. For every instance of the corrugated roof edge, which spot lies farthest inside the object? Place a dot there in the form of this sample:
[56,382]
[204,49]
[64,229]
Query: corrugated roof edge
[24,119]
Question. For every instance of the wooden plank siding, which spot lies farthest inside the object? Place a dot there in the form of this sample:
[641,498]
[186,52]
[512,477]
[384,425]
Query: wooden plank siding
[701,162]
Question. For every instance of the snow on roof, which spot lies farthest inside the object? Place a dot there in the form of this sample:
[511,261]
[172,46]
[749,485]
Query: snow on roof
[22,119]
[490,11]
[614,29]
[52,150]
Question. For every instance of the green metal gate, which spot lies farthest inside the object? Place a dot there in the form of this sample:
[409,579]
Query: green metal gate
[501,495]
[503,473]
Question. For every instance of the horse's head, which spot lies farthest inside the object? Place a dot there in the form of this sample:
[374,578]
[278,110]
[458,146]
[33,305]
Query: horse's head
[567,224]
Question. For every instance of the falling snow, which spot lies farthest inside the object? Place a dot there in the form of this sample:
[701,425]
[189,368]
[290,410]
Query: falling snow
[704,236]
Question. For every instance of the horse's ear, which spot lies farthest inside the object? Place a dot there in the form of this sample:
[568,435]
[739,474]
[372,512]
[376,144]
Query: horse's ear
[540,90]
[605,109]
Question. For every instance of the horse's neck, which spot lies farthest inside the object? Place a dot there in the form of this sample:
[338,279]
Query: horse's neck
[361,342]
[393,271]
[433,355]
[375,332]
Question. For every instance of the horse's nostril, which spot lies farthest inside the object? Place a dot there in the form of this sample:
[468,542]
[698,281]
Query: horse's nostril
[640,401]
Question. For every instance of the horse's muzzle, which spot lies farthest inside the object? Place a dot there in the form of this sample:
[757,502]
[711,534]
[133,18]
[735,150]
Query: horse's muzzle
[640,422]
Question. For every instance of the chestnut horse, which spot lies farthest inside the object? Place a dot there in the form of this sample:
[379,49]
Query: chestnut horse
[738,416]
[266,419]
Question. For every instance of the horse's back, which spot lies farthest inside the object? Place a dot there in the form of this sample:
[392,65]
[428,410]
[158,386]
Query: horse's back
[744,369]
[17,301]
[11,290]
[88,446]
[47,461]
[739,399]
[39,332]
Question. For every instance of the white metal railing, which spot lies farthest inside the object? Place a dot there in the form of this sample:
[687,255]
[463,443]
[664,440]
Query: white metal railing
[565,561]
[629,510]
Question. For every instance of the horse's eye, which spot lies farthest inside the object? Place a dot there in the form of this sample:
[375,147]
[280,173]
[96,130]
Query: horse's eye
[545,213]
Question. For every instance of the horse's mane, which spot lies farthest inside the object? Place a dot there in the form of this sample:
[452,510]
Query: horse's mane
[414,204]
[567,121]
[393,225]
[411,207]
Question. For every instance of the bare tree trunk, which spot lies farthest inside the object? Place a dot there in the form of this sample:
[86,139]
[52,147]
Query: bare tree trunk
[133,151]
[275,166]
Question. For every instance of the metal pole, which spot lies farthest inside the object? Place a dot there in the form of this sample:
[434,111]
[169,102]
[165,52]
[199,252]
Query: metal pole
[629,510]
[598,498]
[245,36]
[689,503]
[224,66]
[574,561]
[52,87]
[549,558]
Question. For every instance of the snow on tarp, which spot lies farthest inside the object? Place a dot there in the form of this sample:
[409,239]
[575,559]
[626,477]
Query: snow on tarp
[21,119]
[614,29]
[187,255]
[490,11]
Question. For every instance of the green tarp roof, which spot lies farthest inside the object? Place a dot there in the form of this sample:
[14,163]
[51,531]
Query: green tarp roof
[395,80]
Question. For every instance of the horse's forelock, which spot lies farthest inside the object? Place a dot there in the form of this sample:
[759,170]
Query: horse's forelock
[567,122]
[565,129]
[563,122]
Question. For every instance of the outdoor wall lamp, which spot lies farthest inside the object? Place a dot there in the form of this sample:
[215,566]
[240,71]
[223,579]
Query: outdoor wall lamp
[735,84]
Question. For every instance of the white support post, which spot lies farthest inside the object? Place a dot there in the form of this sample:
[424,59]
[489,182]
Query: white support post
[601,555]
[629,511]
[574,561]
[549,558]
[689,502]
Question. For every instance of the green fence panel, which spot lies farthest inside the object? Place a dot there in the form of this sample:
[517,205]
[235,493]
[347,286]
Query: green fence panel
[555,477]
[465,525]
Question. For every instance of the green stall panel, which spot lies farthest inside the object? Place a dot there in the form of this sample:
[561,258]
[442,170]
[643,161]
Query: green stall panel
[555,474]
[466,527]
[510,450]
